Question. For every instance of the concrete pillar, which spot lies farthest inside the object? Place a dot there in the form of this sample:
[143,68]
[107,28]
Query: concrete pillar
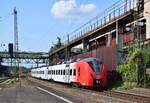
[148,28]
[109,39]
[147,17]
[119,41]
[85,45]
[67,52]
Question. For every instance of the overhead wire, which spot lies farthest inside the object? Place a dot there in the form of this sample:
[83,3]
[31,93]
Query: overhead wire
[3,18]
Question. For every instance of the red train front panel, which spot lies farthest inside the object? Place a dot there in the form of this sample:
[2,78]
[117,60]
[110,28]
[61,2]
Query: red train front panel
[91,72]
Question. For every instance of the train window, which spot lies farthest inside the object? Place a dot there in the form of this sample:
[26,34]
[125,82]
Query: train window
[63,72]
[56,72]
[59,72]
[49,72]
[95,65]
[70,71]
[74,72]
[79,72]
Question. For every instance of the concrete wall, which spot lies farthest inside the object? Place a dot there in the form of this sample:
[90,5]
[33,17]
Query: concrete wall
[147,16]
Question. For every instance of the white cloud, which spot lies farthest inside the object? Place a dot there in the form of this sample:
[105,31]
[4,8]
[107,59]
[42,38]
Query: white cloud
[87,8]
[68,9]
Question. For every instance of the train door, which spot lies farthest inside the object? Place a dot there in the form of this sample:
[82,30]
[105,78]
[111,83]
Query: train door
[67,73]
[49,72]
[46,72]
[78,74]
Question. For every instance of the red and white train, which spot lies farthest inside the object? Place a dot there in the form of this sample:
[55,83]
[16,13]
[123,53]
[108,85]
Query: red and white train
[89,72]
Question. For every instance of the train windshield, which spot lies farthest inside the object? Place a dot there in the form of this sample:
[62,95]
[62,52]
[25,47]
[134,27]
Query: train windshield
[95,64]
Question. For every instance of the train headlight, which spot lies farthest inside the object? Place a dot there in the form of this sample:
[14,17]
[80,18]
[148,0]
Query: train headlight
[98,81]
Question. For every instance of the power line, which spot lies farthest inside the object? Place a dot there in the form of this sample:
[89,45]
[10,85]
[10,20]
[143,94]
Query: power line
[5,18]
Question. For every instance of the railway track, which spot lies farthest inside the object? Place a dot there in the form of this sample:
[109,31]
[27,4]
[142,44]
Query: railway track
[127,96]
[2,80]
[133,98]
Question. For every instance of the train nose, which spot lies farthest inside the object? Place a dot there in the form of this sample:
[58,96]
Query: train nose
[98,76]
[96,81]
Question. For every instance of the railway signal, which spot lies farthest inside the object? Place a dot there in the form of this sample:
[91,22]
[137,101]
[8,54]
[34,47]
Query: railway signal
[10,49]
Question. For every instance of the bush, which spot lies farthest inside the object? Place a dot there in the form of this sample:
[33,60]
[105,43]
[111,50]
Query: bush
[128,68]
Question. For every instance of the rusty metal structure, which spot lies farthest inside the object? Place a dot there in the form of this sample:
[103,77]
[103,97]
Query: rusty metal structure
[108,35]
[26,57]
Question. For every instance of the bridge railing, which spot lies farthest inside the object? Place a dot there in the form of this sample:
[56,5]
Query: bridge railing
[110,14]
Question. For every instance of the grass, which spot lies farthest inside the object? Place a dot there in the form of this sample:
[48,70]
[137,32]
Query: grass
[120,85]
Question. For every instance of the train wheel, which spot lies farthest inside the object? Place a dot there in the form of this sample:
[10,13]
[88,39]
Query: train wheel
[76,85]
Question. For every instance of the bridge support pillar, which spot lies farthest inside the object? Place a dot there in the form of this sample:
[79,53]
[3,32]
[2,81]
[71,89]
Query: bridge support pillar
[85,45]
[68,52]
[119,41]
[109,40]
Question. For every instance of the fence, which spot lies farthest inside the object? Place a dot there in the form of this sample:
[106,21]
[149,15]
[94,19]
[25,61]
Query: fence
[110,14]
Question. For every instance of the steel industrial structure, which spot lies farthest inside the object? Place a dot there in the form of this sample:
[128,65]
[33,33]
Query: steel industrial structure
[122,24]
[17,56]
[26,57]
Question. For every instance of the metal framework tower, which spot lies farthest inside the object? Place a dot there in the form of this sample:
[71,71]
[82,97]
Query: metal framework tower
[16,46]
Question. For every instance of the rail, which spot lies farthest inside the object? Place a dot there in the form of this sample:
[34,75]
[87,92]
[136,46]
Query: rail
[110,14]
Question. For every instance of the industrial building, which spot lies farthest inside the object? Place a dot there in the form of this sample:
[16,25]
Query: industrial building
[108,35]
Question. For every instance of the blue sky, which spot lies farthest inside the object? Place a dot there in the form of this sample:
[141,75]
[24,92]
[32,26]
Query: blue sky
[41,21]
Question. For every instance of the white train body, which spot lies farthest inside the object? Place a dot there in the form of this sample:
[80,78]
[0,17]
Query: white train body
[60,73]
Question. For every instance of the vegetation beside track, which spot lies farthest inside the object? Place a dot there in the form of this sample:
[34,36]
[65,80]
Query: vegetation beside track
[131,77]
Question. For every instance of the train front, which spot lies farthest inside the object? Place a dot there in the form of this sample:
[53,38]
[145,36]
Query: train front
[97,72]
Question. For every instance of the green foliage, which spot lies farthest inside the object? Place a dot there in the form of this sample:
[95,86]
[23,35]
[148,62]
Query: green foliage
[16,72]
[136,57]
[127,72]
[124,86]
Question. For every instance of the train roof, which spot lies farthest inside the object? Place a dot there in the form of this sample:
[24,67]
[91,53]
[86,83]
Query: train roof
[92,59]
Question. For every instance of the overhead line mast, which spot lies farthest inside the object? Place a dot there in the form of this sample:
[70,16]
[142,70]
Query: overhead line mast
[16,44]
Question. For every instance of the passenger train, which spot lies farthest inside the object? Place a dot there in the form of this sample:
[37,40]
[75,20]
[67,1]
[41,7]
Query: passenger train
[88,72]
